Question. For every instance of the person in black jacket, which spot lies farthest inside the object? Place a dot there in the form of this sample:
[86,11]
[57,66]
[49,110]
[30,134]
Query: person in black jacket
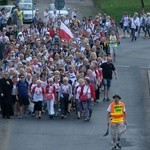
[6,87]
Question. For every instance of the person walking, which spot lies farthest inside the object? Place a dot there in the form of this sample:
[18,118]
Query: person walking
[113,45]
[20,18]
[77,98]
[6,86]
[135,23]
[126,22]
[38,95]
[147,25]
[22,94]
[108,69]
[50,97]
[65,94]
[117,120]
[14,101]
[87,97]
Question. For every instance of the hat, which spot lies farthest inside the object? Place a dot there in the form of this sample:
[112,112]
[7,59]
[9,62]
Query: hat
[116,96]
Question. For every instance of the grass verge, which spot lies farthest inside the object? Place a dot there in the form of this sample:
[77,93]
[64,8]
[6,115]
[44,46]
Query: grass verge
[115,8]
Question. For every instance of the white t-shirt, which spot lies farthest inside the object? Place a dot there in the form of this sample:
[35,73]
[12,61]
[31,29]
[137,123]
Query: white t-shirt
[78,91]
[38,94]
[126,21]
[57,86]
[87,90]
[65,88]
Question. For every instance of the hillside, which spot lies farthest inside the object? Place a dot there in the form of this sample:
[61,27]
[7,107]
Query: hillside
[115,8]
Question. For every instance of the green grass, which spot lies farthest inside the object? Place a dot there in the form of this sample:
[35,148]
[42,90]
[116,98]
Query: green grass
[115,8]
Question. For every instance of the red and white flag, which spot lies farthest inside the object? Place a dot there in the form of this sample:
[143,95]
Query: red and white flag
[64,32]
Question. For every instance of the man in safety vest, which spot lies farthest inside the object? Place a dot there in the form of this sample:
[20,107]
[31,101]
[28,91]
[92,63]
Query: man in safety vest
[117,120]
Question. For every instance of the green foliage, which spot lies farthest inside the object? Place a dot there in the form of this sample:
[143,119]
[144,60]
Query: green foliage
[115,8]
[3,2]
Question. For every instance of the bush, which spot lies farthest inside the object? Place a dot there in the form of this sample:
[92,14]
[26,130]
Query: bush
[3,2]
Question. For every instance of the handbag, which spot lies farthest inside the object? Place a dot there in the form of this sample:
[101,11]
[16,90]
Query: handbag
[84,97]
[49,96]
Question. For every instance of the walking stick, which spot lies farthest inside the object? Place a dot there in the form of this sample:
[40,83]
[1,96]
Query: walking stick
[107,132]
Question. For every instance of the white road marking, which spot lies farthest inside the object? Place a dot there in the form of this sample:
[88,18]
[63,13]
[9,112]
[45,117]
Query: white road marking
[126,66]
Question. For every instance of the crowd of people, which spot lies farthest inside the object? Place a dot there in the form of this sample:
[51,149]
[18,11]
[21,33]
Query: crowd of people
[134,25]
[43,71]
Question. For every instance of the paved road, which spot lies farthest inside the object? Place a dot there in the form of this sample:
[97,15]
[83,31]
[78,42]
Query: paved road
[132,64]
[132,85]
[85,7]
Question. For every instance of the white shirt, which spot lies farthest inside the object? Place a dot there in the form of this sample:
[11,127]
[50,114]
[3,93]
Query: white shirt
[73,14]
[57,86]
[65,88]
[135,23]
[87,90]
[72,77]
[67,21]
[46,16]
[4,39]
[126,21]
[78,91]
[38,94]
[14,90]
[32,86]
[44,83]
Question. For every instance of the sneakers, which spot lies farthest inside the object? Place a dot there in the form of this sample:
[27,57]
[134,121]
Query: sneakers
[106,99]
[51,116]
[114,147]
[20,117]
[62,116]
[118,145]
[85,120]
[98,101]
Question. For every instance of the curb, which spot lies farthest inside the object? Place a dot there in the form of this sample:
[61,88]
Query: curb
[148,73]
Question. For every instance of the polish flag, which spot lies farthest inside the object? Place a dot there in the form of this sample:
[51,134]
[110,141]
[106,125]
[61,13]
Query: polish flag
[64,32]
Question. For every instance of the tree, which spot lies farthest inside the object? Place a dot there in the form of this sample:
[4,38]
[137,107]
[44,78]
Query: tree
[142,3]
[4,2]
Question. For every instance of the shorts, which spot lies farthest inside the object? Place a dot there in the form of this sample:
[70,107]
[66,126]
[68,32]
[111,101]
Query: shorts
[107,83]
[14,99]
[38,106]
[23,100]
[112,49]
[117,129]
[125,28]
